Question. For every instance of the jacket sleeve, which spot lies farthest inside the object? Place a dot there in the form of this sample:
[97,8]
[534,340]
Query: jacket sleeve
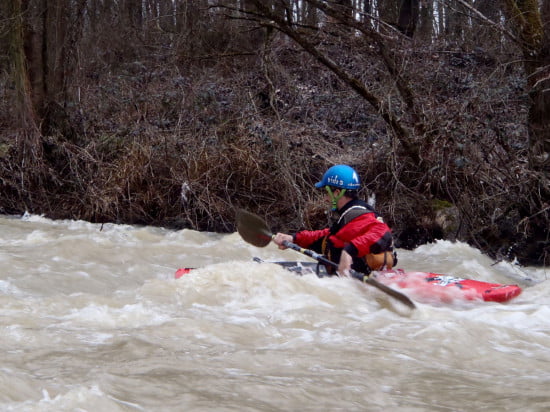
[306,238]
[365,234]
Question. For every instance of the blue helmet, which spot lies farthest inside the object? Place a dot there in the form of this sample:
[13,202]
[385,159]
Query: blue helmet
[341,176]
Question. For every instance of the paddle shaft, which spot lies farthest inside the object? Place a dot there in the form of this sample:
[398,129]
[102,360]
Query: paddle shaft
[319,258]
[356,275]
[254,230]
[322,259]
[308,252]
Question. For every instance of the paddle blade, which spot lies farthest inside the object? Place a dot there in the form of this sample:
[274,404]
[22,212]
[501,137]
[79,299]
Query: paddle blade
[392,292]
[386,289]
[253,229]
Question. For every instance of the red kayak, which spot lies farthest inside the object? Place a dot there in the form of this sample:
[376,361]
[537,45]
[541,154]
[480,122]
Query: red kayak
[420,285]
[447,288]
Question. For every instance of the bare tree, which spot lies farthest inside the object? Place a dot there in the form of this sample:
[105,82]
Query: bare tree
[408,17]
[532,25]
[43,36]
[22,41]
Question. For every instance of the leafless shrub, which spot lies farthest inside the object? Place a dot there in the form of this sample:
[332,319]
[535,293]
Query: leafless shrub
[180,128]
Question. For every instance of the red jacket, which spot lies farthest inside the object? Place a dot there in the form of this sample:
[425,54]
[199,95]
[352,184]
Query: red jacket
[364,234]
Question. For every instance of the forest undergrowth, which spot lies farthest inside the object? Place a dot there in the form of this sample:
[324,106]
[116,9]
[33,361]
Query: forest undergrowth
[182,143]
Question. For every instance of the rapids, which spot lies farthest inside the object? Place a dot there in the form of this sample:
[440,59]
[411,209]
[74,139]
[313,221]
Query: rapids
[93,319]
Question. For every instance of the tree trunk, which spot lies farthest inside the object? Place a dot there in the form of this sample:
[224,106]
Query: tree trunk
[408,17]
[309,14]
[45,60]
[539,113]
[426,24]
[441,10]
[532,28]
[19,70]
[345,6]
[388,11]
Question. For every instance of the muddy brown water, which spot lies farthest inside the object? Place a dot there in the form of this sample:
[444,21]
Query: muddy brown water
[93,319]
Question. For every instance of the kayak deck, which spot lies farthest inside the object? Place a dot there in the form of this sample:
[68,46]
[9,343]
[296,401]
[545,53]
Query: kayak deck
[449,287]
[421,285]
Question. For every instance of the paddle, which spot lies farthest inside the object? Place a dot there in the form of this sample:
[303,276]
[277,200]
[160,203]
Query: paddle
[254,230]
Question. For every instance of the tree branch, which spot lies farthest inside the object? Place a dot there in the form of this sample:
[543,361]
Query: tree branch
[402,133]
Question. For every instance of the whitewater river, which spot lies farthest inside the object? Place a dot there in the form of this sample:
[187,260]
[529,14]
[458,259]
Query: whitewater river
[92,319]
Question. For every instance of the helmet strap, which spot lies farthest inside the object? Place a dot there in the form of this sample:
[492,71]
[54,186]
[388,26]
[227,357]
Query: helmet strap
[334,199]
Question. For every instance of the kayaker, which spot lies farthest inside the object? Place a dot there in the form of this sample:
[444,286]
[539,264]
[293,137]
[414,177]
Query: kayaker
[359,239]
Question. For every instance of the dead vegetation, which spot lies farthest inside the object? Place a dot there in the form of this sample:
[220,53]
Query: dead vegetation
[181,138]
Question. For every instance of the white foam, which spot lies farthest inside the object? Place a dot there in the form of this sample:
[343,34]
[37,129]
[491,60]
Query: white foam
[106,317]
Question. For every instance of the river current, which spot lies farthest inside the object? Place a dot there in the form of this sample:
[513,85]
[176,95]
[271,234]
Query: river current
[93,319]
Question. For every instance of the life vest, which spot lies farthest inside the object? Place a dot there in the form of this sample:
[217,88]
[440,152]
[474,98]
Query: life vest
[386,259]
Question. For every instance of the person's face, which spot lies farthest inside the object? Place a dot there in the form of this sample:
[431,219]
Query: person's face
[335,193]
